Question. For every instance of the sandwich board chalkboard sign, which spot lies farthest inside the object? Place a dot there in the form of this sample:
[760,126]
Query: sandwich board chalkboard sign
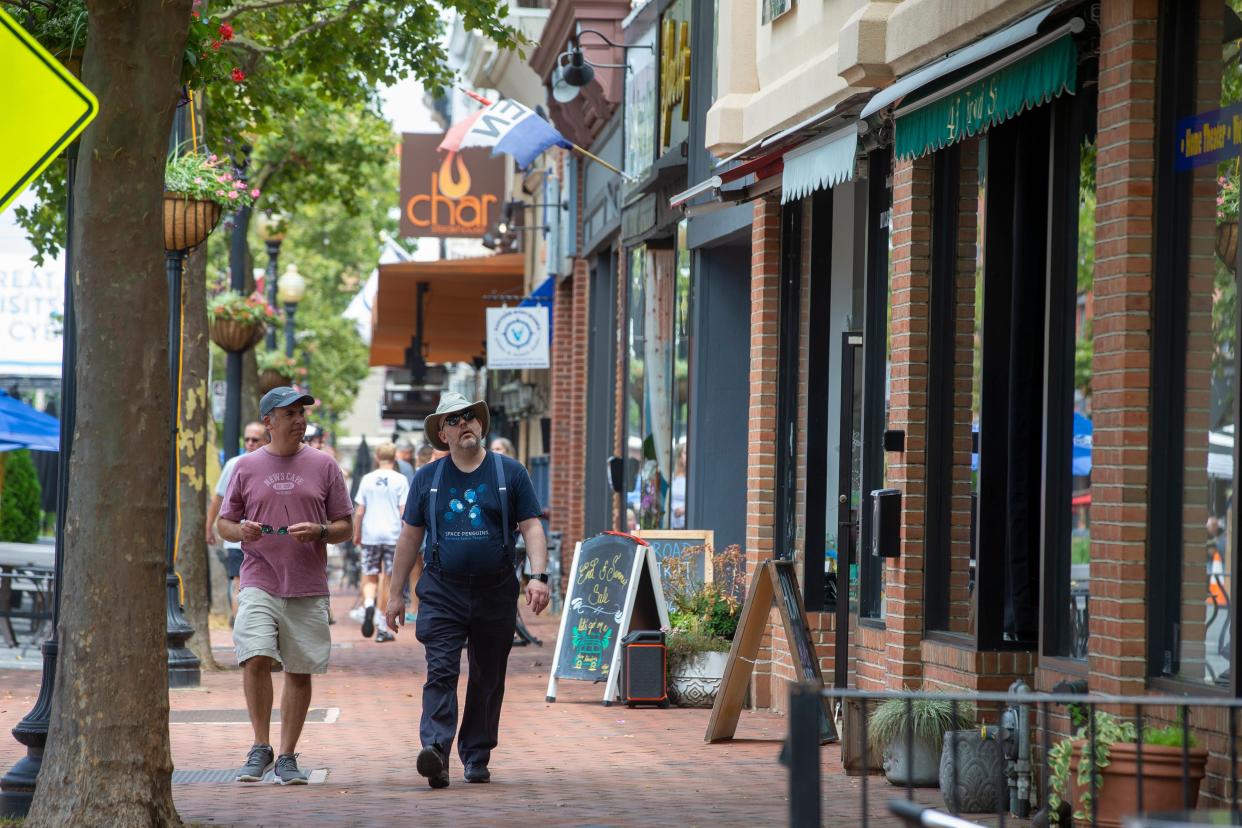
[670,544]
[614,587]
[775,584]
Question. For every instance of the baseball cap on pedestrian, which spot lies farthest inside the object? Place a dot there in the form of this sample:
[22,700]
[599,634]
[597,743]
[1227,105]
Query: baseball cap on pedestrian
[450,403]
[281,397]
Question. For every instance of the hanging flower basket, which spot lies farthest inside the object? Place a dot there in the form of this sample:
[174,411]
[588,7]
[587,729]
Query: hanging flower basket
[270,379]
[1227,243]
[234,335]
[187,221]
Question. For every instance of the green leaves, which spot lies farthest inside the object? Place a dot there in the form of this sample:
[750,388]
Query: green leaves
[20,507]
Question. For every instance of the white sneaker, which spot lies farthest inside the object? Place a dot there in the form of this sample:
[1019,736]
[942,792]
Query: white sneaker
[357,614]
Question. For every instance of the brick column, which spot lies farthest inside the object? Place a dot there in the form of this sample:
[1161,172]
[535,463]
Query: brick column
[764,349]
[909,289]
[1121,366]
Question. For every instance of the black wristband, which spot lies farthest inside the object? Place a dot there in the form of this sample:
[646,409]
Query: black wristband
[323,531]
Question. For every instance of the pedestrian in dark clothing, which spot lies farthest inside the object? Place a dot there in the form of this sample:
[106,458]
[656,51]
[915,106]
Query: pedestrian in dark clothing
[467,504]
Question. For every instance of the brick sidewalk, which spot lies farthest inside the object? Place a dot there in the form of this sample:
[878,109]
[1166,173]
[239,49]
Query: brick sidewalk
[574,762]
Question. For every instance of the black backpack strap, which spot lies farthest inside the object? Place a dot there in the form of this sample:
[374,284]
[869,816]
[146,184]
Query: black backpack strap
[502,492]
[432,509]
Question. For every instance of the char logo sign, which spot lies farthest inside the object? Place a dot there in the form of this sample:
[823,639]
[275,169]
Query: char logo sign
[448,194]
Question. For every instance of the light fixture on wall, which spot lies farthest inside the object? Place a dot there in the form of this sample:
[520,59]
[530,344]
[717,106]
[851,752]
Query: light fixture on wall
[573,71]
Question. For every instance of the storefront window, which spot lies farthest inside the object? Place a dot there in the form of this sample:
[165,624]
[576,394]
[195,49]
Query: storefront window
[1208,509]
[657,400]
[1080,490]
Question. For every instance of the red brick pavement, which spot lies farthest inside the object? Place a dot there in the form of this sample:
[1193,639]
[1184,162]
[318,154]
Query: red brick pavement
[574,762]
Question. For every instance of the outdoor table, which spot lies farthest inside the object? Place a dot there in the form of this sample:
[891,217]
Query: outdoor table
[33,564]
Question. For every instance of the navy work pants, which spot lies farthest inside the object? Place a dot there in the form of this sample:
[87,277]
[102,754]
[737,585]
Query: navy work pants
[479,613]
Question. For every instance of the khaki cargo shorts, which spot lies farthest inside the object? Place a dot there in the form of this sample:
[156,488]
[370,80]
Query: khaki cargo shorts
[294,631]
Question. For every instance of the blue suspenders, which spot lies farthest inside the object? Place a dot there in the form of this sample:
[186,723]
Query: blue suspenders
[502,492]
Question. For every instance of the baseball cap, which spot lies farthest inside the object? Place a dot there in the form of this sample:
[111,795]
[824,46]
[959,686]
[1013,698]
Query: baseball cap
[282,396]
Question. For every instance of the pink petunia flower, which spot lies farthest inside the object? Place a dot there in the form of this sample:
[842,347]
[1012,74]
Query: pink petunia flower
[254,193]
[232,193]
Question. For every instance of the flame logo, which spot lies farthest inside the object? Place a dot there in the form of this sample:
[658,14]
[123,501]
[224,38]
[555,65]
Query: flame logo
[448,187]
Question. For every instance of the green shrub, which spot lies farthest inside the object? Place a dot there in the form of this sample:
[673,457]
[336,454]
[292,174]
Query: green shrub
[929,718]
[20,501]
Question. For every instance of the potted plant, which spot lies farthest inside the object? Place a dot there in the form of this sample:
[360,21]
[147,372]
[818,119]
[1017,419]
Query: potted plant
[1227,219]
[1115,765]
[237,322]
[890,725]
[276,369]
[703,620]
[197,189]
[975,760]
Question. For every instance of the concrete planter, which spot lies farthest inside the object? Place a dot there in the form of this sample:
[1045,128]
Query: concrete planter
[980,765]
[920,769]
[694,681]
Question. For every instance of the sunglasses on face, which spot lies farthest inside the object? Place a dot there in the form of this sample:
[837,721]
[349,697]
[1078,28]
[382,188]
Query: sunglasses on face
[464,417]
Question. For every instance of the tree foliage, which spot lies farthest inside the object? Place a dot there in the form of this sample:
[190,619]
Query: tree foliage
[20,505]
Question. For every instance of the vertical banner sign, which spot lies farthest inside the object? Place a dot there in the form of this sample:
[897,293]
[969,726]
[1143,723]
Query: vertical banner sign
[517,337]
[448,195]
[1209,137]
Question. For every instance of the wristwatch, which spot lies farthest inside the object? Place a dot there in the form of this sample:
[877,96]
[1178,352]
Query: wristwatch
[542,576]
[323,531]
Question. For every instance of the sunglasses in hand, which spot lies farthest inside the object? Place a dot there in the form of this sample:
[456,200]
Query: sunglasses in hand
[276,530]
[464,417]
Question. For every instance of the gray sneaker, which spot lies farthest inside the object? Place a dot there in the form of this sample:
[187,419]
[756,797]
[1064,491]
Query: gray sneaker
[258,762]
[287,772]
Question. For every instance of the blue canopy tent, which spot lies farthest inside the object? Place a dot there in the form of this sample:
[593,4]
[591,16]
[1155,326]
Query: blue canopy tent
[1082,444]
[23,427]
[1081,457]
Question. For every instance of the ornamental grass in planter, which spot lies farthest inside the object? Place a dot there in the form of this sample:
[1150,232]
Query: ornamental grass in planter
[1116,767]
[703,619]
[928,719]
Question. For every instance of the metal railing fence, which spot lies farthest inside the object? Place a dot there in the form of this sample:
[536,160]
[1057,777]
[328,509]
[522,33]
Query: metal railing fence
[802,750]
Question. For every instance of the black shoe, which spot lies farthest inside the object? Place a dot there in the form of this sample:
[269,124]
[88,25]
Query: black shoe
[478,772]
[368,622]
[433,764]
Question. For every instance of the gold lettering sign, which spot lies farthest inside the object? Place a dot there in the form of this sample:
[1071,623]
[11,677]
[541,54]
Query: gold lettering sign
[674,75]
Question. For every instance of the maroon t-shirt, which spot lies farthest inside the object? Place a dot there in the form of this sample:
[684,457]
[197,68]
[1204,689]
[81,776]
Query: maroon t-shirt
[280,491]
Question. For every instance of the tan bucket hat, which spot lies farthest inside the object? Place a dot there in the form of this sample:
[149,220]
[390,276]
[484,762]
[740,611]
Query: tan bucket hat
[450,403]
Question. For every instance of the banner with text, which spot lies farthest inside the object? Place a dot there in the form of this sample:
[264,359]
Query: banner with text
[1209,137]
[517,337]
[32,299]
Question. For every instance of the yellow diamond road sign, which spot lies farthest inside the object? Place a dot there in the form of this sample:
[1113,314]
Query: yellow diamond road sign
[42,109]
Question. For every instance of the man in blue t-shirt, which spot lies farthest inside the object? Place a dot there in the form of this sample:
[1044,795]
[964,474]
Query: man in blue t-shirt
[467,505]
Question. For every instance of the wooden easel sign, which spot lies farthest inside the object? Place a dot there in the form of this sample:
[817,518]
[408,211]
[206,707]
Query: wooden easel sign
[775,583]
[614,587]
[670,545]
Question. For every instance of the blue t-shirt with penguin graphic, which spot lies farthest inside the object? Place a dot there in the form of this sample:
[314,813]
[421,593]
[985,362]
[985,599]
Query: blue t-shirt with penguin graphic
[468,513]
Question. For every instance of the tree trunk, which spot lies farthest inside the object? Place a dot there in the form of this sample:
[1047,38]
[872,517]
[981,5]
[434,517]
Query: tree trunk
[108,761]
[192,563]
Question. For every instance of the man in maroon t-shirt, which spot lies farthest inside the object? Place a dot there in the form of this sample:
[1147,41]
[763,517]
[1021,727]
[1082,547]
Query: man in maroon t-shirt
[285,503]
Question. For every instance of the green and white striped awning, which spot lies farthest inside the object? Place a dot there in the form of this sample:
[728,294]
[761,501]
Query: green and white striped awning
[963,110]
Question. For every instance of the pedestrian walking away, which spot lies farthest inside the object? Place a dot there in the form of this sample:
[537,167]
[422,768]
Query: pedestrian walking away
[466,505]
[286,502]
[377,524]
[255,435]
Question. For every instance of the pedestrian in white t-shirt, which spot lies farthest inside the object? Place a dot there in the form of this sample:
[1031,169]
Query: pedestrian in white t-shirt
[377,523]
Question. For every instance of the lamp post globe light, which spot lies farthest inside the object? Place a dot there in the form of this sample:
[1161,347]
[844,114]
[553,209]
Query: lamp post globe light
[272,229]
[290,290]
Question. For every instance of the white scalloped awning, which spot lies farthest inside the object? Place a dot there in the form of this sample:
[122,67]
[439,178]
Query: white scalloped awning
[822,163]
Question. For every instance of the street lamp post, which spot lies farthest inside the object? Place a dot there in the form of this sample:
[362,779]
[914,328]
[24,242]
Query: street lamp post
[238,262]
[290,290]
[184,669]
[272,229]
